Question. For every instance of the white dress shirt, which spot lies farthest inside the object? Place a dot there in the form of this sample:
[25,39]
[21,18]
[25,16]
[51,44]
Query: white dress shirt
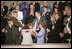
[67,25]
[36,25]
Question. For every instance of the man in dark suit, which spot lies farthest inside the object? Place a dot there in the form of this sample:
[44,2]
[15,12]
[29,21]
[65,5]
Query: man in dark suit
[36,22]
[38,19]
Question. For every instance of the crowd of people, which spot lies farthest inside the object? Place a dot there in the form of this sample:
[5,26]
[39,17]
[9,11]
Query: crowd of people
[27,23]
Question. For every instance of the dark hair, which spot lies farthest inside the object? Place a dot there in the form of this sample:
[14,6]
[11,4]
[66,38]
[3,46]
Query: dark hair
[54,6]
[61,7]
[25,27]
[44,6]
[30,5]
[54,3]
[38,12]
[29,24]
[68,4]
[54,9]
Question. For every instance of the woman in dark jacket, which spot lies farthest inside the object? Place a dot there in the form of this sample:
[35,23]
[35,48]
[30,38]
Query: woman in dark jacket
[30,14]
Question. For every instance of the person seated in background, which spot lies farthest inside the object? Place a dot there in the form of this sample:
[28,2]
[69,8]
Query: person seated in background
[55,11]
[41,34]
[65,36]
[55,5]
[36,4]
[24,7]
[45,11]
[57,27]
[46,14]
[45,4]
[30,14]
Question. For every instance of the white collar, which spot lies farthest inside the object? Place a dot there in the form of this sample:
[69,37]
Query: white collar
[38,18]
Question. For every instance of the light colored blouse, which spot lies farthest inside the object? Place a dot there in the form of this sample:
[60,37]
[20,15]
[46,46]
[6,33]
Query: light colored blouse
[27,39]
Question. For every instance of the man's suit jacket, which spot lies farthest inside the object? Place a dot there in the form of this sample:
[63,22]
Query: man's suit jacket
[42,19]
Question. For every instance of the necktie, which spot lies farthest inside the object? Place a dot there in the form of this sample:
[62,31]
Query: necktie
[37,24]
